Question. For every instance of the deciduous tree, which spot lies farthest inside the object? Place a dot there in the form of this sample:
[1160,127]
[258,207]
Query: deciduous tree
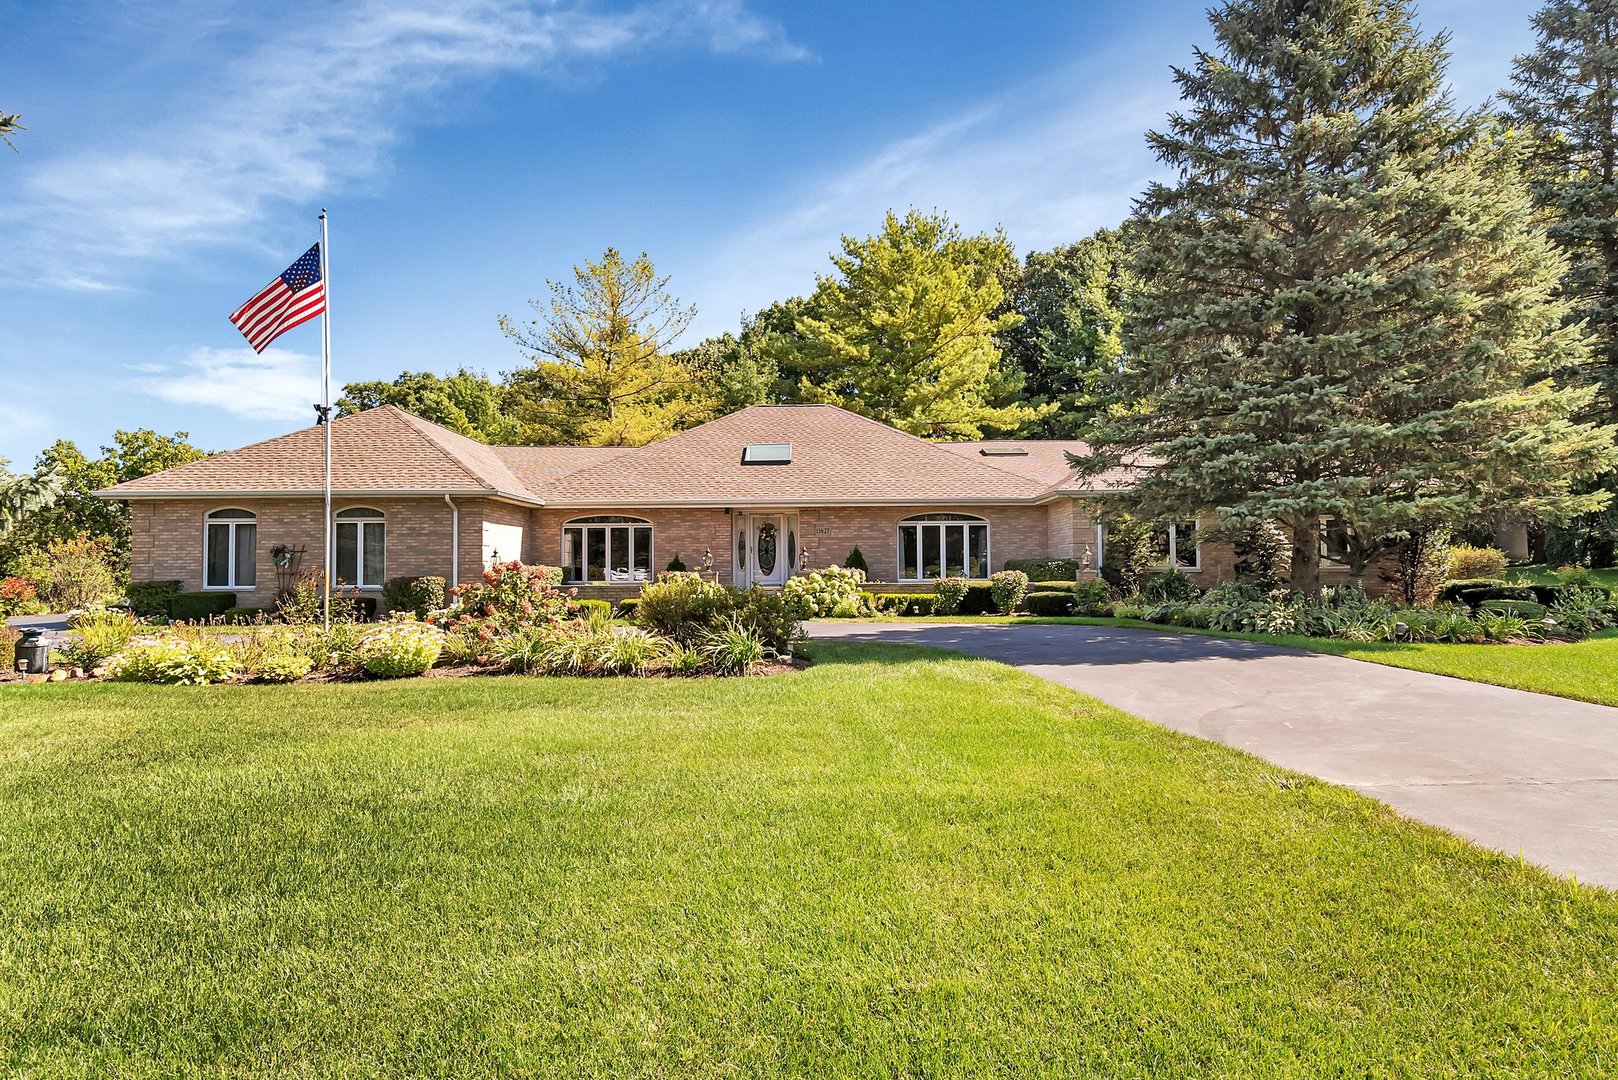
[467,402]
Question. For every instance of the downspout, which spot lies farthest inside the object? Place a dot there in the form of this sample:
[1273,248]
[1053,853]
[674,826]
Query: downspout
[454,541]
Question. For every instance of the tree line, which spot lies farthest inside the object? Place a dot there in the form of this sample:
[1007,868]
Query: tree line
[1354,307]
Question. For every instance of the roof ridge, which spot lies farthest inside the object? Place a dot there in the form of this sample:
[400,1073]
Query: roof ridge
[413,421]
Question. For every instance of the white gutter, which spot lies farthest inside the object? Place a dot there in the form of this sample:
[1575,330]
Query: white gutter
[454,542]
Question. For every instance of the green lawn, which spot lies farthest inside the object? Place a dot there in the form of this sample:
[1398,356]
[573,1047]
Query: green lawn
[1586,670]
[895,863]
[1546,575]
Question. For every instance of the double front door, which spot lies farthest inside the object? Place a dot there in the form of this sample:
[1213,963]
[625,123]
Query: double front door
[766,548]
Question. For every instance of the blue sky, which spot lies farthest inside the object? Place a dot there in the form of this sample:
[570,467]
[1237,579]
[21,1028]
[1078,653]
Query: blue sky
[178,154]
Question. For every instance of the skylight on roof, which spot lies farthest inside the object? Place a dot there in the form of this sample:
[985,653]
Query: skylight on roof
[1004,451]
[767,454]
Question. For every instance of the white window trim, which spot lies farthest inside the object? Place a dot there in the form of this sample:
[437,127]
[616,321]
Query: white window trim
[1173,561]
[583,526]
[377,518]
[207,520]
[966,539]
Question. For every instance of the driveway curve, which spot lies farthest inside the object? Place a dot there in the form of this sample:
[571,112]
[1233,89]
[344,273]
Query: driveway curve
[1525,774]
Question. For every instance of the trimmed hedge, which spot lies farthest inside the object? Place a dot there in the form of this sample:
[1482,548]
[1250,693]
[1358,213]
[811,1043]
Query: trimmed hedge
[979,600]
[904,603]
[1048,603]
[626,608]
[417,595]
[1045,570]
[244,614]
[1475,591]
[150,599]
[1527,609]
[195,606]
[588,607]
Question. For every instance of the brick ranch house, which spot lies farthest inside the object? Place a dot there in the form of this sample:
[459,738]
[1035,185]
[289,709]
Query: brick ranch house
[752,497]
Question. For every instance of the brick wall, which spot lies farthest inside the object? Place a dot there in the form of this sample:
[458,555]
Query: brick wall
[168,535]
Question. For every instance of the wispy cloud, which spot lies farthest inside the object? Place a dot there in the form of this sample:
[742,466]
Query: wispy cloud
[313,108]
[1050,162]
[275,385]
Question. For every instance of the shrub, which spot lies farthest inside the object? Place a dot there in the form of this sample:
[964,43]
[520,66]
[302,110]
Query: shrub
[402,647]
[904,603]
[170,659]
[17,595]
[282,666]
[337,648]
[1046,570]
[301,605]
[150,599]
[509,596]
[1526,609]
[683,661]
[70,574]
[1007,588]
[602,608]
[1466,561]
[1091,598]
[1503,626]
[244,615]
[979,599]
[199,606]
[1263,553]
[420,596]
[856,561]
[1131,553]
[625,650]
[1171,585]
[948,594]
[1049,603]
[628,607]
[1581,611]
[771,616]
[8,647]
[1579,577]
[101,634]
[676,565]
[833,593]
[733,649]
[682,607]
[1424,563]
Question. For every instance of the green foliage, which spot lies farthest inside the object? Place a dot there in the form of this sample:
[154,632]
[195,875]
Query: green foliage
[70,574]
[420,596]
[18,596]
[168,658]
[856,561]
[1466,561]
[98,636]
[769,615]
[948,594]
[676,565]
[1424,565]
[600,373]
[150,599]
[1303,343]
[10,124]
[1475,591]
[1071,333]
[1565,96]
[509,596]
[1130,553]
[1169,585]
[682,607]
[1049,603]
[831,593]
[1092,597]
[282,667]
[400,648]
[904,329]
[904,603]
[583,647]
[593,608]
[467,402]
[1527,609]
[1045,570]
[1008,588]
[734,649]
[201,606]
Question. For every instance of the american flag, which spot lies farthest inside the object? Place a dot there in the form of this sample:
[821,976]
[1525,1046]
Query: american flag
[292,299]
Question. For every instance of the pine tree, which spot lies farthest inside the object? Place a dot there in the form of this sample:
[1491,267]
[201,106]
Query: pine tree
[601,373]
[905,330]
[1345,312]
[1565,97]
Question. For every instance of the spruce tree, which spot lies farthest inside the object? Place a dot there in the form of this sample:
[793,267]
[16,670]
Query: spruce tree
[1565,97]
[1344,310]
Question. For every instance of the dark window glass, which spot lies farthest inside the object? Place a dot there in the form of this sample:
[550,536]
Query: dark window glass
[907,552]
[955,550]
[375,546]
[219,555]
[595,554]
[246,555]
[348,546]
[643,553]
[932,555]
[978,561]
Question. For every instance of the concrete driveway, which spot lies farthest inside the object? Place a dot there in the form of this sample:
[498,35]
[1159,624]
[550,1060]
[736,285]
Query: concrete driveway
[1522,773]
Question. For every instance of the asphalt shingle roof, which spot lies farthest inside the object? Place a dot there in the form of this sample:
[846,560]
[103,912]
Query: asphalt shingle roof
[837,457]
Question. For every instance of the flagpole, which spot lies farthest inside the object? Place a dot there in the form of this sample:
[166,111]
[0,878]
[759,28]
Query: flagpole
[325,389]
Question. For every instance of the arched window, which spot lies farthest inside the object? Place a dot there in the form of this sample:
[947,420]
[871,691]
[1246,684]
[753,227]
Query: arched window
[607,548]
[362,546]
[230,549]
[935,546]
